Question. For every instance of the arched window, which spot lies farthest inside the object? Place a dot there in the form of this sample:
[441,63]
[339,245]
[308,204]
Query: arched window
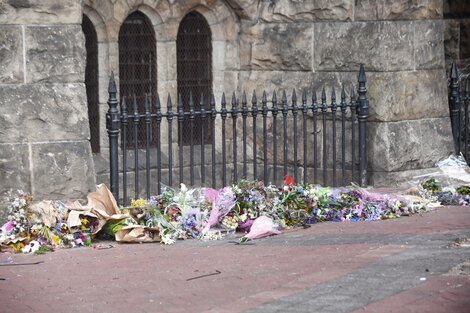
[194,67]
[137,70]
[91,82]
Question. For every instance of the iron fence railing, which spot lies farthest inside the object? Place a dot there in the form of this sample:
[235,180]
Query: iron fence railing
[313,140]
[459,100]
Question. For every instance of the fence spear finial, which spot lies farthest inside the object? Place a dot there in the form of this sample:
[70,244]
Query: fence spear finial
[453,71]
[112,84]
[362,75]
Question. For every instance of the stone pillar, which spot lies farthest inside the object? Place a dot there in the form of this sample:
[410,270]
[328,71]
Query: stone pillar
[403,43]
[44,129]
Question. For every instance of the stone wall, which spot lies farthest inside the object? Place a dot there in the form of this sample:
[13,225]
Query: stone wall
[44,128]
[401,45]
[267,44]
[272,44]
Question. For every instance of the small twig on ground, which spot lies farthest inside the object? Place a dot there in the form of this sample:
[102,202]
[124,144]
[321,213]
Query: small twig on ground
[217,272]
[14,264]
[245,243]
[104,247]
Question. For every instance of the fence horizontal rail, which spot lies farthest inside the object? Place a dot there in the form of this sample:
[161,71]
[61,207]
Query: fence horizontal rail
[296,137]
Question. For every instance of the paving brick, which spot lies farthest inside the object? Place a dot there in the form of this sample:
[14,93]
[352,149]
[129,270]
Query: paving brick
[277,274]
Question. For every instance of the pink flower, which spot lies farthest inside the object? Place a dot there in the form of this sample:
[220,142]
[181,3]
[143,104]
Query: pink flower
[7,227]
[263,226]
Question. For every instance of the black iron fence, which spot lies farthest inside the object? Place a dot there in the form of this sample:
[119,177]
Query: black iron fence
[310,139]
[459,99]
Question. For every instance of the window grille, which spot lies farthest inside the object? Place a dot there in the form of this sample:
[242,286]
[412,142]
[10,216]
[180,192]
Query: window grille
[194,68]
[137,71]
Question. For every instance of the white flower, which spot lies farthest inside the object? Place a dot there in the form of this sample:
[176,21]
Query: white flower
[183,188]
[32,247]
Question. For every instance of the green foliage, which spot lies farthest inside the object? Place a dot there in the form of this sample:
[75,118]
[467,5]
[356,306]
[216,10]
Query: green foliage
[431,185]
[463,190]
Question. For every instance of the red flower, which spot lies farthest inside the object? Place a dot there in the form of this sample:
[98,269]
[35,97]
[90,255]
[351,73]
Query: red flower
[288,180]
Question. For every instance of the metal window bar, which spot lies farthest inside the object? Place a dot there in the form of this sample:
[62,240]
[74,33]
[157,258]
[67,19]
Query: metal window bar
[194,73]
[353,113]
[138,72]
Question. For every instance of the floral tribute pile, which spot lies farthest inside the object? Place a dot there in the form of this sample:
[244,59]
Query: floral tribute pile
[249,208]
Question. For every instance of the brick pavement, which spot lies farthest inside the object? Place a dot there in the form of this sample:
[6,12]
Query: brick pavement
[330,267]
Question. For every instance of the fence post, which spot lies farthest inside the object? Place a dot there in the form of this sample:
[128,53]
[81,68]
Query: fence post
[454,107]
[362,113]
[113,127]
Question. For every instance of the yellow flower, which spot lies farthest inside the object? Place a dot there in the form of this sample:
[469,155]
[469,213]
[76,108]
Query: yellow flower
[55,239]
[138,202]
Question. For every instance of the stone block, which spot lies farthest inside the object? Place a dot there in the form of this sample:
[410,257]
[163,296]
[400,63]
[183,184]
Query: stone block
[40,12]
[271,81]
[280,46]
[62,170]
[401,96]
[43,112]
[406,145]
[367,10]
[429,44]
[55,54]
[306,10]
[11,54]
[399,179]
[382,46]
[14,168]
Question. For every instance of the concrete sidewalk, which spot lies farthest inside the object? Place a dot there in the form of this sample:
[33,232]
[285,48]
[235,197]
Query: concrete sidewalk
[409,264]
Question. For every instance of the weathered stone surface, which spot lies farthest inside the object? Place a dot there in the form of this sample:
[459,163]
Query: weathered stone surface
[399,179]
[383,46]
[407,145]
[62,170]
[366,10]
[11,54]
[429,44]
[14,168]
[451,39]
[43,112]
[277,47]
[394,96]
[55,54]
[306,10]
[40,12]
[274,81]
[407,95]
